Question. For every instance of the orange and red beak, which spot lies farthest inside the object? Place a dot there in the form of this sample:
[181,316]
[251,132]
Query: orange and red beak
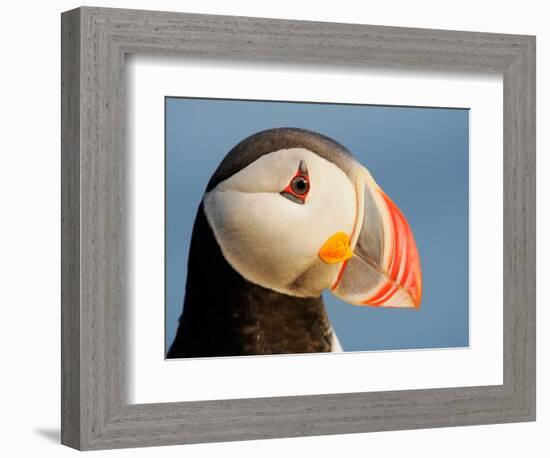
[380,265]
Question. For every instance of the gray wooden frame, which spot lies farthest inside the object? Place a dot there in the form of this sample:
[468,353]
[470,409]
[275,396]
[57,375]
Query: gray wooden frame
[95,413]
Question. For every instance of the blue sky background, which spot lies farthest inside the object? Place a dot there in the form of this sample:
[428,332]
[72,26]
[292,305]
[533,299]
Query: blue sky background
[419,156]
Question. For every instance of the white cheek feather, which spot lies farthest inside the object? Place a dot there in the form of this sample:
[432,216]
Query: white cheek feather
[272,241]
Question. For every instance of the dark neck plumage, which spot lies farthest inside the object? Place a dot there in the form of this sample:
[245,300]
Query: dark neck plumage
[226,315]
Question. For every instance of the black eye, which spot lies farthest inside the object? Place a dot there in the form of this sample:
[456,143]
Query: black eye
[299,185]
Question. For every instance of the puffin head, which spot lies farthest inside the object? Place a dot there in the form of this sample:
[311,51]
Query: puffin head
[293,211]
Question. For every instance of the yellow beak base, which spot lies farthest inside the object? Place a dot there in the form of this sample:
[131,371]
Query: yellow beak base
[336,249]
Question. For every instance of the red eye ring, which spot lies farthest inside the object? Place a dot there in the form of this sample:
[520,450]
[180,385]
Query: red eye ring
[299,186]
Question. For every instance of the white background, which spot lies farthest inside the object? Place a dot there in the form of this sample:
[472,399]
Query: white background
[29,241]
[152,379]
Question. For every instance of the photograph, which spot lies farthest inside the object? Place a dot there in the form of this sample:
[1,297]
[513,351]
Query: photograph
[298,227]
[270,229]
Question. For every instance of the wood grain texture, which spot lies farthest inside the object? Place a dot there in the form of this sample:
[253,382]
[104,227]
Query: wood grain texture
[70,229]
[95,42]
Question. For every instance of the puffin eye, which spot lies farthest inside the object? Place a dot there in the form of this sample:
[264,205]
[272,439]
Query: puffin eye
[299,185]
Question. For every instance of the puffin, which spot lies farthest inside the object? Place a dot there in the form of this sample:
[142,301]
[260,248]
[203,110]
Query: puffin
[288,214]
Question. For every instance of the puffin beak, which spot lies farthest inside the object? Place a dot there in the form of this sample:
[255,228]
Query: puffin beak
[380,265]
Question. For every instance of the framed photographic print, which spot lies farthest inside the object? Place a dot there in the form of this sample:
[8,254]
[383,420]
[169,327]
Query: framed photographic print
[285,228]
